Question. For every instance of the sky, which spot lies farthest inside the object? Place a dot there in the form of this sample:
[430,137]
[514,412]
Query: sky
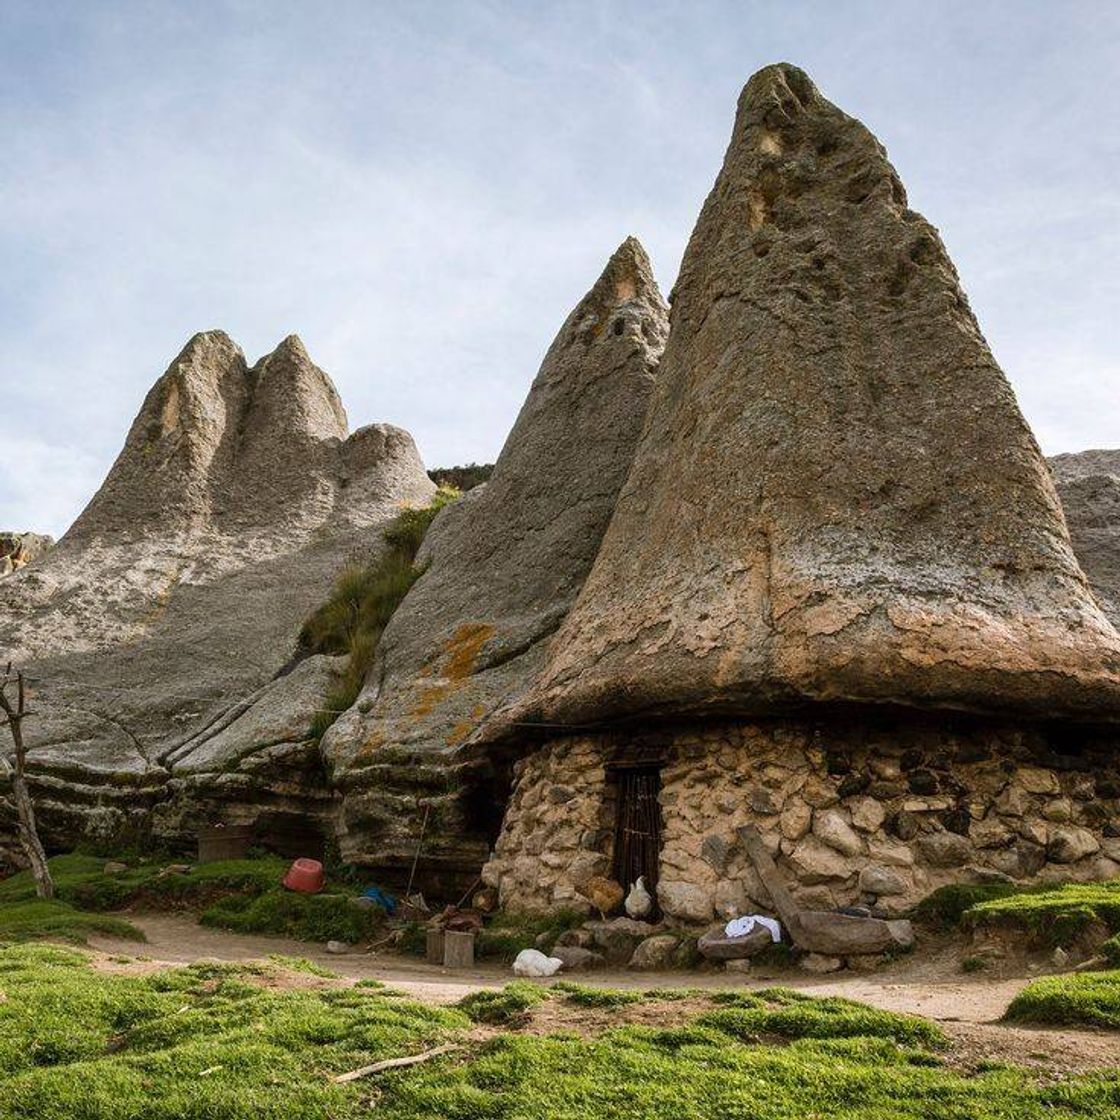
[422,191]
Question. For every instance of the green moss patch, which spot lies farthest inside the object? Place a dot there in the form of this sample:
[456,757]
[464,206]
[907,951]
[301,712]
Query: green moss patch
[25,921]
[509,1005]
[243,895]
[1052,917]
[1083,999]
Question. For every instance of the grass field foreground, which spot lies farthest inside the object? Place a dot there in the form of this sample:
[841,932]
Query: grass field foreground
[229,1041]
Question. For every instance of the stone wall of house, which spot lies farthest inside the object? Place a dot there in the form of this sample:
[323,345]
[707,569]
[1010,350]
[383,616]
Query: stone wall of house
[870,813]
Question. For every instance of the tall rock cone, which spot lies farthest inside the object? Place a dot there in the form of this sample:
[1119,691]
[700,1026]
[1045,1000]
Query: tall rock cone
[176,461]
[835,497]
[502,567]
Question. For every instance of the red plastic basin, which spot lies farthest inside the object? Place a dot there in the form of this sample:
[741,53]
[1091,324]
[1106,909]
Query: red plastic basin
[305,876]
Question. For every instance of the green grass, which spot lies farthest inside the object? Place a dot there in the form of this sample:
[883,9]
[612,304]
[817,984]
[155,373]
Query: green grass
[583,996]
[946,906]
[81,881]
[24,921]
[1089,999]
[242,895]
[789,1014]
[508,1005]
[306,917]
[196,1042]
[702,1073]
[219,1041]
[361,603]
[1050,917]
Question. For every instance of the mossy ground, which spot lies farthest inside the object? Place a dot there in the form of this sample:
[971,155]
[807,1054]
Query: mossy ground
[1048,917]
[1083,999]
[242,895]
[223,1040]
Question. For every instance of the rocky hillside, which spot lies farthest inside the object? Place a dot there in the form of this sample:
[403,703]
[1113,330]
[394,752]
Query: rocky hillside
[180,590]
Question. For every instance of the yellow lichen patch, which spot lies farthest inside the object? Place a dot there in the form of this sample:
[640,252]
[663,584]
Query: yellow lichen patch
[460,654]
[756,209]
[464,648]
[373,743]
[462,730]
[769,143]
[169,418]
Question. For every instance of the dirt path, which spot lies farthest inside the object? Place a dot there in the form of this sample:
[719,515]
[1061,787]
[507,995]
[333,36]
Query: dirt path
[967,1007]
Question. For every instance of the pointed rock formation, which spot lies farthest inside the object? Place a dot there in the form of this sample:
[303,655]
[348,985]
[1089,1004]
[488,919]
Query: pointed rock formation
[503,565]
[290,437]
[1089,486]
[835,497]
[176,463]
[157,624]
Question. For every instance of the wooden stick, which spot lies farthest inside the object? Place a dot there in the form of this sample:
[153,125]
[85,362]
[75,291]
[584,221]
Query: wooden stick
[395,1063]
[771,878]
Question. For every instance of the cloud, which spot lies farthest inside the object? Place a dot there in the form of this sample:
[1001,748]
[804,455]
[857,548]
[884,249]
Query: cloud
[423,192]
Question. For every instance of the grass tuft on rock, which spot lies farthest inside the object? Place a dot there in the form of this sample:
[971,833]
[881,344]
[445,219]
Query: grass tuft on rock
[361,603]
[1079,999]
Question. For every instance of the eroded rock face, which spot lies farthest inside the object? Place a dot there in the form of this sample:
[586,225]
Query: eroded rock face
[153,626]
[17,550]
[835,496]
[1089,485]
[503,566]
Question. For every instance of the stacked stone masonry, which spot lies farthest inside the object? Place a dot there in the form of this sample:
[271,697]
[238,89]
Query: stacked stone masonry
[875,814]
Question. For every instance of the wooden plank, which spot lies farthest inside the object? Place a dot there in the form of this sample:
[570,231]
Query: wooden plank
[771,877]
[434,946]
[458,949]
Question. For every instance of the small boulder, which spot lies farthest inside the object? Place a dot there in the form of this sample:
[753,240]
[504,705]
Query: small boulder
[818,962]
[576,959]
[1068,844]
[580,938]
[715,945]
[654,953]
[867,814]
[836,832]
[944,849]
[685,901]
[115,867]
[338,947]
[879,880]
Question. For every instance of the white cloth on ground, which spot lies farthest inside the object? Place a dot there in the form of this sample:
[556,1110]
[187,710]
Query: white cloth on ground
[740,927]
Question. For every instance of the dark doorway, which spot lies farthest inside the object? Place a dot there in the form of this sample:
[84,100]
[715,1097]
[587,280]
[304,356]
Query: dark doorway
[637,831]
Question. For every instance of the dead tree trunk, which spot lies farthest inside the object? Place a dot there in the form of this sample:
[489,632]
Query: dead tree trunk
[15,713]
